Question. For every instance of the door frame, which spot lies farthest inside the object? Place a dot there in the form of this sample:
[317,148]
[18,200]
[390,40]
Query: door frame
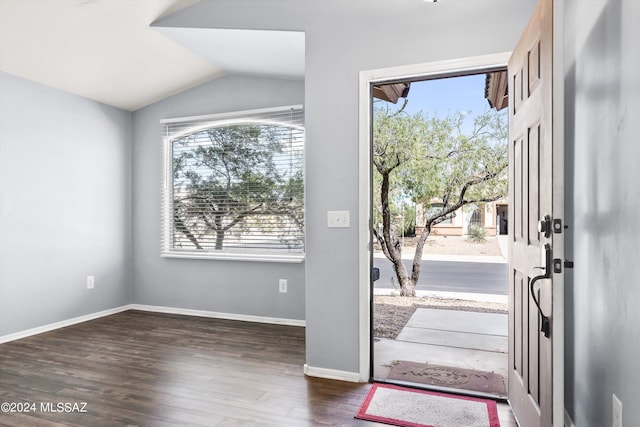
[560,416]
[365,253]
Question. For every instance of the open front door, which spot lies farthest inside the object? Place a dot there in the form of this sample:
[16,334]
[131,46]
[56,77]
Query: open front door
[532,315]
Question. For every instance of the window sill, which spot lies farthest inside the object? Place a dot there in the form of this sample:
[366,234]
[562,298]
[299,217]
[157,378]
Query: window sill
[291,259]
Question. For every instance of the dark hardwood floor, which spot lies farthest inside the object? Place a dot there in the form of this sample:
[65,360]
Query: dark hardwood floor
[147,369]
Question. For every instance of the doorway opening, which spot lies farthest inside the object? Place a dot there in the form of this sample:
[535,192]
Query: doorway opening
[438,228]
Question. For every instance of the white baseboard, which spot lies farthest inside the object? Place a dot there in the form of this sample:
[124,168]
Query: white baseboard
[218,315]
[152,308]
[333,374]
[61,324]
[568,422]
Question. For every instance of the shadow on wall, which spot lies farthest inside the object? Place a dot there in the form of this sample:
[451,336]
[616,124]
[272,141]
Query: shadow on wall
[597,177]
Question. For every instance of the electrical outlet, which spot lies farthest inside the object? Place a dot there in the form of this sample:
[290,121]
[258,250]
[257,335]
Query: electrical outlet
[617,412]
[90,282]
[283,286]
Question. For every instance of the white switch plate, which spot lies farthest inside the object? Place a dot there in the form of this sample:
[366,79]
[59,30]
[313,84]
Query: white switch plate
[90,282]
[283,286]
[338,219]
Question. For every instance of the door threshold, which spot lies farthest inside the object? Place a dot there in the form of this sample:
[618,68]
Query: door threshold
[440,389]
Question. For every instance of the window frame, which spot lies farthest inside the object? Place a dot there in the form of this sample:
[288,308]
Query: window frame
[167,191]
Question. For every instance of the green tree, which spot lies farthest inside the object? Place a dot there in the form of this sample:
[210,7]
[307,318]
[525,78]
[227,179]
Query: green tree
[224,175]
[425,158]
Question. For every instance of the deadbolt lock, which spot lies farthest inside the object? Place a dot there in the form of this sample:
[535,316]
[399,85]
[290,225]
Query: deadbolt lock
[544,226]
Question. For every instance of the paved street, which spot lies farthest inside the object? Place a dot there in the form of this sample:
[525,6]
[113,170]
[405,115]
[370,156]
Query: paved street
[450,276]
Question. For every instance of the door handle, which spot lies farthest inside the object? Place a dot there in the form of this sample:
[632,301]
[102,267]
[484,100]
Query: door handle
[546,323]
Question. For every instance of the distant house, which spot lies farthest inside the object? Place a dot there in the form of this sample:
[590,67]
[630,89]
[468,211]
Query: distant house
[491,216]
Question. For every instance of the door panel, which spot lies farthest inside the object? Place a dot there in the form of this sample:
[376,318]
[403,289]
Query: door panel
[531,193]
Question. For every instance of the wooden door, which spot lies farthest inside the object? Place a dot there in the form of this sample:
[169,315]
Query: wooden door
[531,199]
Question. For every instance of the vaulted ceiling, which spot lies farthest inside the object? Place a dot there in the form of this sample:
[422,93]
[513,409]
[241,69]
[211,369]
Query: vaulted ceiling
[108,51]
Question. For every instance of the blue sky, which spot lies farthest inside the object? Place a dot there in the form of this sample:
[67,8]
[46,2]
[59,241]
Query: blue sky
[444,96]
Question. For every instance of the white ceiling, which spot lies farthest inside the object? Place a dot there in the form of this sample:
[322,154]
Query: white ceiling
[107,51]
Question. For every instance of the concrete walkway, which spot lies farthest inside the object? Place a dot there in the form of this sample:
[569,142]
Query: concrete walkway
[461,339]
[503,241]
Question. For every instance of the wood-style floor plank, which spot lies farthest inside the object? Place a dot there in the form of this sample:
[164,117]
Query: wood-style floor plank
[148,369]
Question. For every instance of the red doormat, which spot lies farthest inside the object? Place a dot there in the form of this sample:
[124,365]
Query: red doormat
[448,376]
[406,407]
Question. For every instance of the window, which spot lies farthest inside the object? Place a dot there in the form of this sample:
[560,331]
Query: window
[476,216]
[233,186]
[435,208]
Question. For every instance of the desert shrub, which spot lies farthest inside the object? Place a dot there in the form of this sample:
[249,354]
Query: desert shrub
[476,234]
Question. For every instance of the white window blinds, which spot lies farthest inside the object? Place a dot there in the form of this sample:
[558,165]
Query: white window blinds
[233,185]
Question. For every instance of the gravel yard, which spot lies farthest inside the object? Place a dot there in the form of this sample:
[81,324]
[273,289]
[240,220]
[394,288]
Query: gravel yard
[451,245]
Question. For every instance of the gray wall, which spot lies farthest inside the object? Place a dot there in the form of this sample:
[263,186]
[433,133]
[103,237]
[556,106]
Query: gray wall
[65,184]
[249,288]
[602,91]
[343,38]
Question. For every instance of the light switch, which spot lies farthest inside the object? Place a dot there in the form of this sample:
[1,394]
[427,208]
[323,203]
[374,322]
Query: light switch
[338,219]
